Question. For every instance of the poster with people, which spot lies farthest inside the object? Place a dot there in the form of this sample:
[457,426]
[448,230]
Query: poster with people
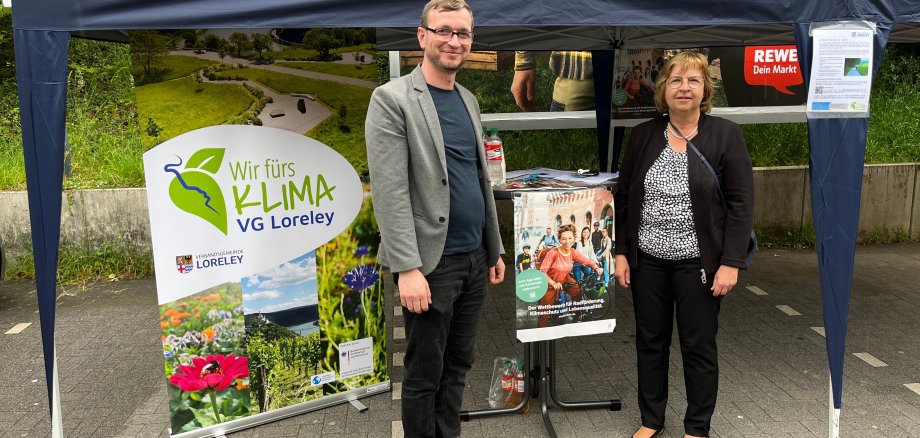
[635,75]
[264,240]
[742,76]
[563,263]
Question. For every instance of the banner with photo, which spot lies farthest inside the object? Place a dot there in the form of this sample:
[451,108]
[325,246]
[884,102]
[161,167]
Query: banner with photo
[264,240]
[748,76]
[563,263]
[635,73]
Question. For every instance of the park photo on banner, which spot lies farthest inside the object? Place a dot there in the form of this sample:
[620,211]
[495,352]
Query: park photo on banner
[563,261]
[264,239]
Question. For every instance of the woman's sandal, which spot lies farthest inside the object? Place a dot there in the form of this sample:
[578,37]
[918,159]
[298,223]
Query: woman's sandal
[657,432]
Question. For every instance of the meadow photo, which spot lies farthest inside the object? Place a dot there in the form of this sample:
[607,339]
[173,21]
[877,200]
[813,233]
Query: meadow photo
[282,333]
[202,337]
[351,299]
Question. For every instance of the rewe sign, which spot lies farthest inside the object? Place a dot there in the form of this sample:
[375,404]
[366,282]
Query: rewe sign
[772,66]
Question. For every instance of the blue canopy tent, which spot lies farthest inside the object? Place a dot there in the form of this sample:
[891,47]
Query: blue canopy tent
[42,30]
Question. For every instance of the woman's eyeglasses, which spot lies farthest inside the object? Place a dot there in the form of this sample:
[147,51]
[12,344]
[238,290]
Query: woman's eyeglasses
[693,82]
[447,34]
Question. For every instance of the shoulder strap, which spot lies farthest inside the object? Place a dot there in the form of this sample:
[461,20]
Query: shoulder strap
[706,163]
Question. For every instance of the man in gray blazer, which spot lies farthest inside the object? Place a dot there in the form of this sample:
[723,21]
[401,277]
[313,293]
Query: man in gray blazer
[434,207]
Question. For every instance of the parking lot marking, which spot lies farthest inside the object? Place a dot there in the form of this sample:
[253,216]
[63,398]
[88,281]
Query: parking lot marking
[397,391]
[819,330]
[757,291]
[398,359]
[396,430]
[18,328]
[870,359]
[397,311]
[788,310]
[399,333]
[915,387]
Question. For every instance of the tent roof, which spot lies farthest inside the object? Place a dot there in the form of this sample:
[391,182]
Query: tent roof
[73,15]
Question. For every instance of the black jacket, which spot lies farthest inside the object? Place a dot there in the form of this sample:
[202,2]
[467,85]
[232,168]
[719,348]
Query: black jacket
[723,239]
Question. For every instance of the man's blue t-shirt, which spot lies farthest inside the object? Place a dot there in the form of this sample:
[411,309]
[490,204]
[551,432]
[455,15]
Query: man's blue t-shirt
[467,207]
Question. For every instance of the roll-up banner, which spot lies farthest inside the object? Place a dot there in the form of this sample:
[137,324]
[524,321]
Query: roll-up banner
[747,76]
[563,263]
[264,241]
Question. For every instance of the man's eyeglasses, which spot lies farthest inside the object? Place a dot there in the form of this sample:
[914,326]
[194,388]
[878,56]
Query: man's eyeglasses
[694,82]
[447,34]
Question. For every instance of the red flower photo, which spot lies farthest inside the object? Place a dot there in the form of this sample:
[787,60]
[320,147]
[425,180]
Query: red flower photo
[215,372]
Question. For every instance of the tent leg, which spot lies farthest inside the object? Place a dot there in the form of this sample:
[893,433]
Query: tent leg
[833,420]
[394,64]
[57,421]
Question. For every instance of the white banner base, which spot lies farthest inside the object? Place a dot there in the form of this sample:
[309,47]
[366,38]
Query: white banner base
[568,330]
[289,411]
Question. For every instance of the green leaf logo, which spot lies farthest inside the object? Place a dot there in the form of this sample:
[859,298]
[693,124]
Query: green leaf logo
[195,191]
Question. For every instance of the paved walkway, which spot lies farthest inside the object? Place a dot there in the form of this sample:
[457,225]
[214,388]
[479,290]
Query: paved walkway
[212,56]
[288,117]
[773,362]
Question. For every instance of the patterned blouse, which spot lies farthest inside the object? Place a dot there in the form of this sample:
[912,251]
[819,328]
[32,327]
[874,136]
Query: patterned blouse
[666,227]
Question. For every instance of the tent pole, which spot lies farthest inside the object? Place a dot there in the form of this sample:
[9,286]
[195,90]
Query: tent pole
[833,420]
[57,420]
[394,64]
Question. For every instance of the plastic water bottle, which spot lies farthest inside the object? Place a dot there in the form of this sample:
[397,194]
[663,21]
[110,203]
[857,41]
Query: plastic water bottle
[508,384]
[495,156]
[519,389]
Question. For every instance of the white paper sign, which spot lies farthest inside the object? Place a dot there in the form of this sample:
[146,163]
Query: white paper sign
[841,71]
[356,358]
[231,201]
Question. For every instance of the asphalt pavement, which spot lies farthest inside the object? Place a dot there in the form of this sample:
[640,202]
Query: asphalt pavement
[773,363]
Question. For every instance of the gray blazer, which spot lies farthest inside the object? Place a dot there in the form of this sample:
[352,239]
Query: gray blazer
[408,172]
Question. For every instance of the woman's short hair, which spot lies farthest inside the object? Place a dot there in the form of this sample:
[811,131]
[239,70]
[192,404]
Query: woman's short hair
[684,61]
[567,227]
[443,6]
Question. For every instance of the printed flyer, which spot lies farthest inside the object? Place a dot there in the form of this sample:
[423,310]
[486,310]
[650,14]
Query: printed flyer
[563,263]
[841,79]
[264,240]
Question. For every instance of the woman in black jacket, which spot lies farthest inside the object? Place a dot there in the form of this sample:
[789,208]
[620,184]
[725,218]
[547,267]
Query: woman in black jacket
[677,247]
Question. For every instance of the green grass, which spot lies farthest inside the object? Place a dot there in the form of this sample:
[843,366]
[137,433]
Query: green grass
[366,72]
[345,135]
[291,54]
[893,125]
[890,138]
[557,148]
[177,108]
[12,163]
[170,67]
[369,49]
[79,264]
[777,144]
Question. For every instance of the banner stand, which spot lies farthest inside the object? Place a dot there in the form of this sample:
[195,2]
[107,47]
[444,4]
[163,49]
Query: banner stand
[237,425]
[541,364]
[541,384]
